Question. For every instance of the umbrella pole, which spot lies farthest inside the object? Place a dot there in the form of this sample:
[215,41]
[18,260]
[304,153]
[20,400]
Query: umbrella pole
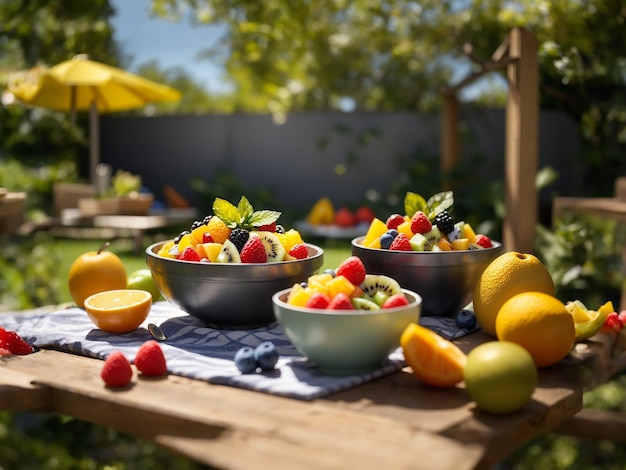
[94,142]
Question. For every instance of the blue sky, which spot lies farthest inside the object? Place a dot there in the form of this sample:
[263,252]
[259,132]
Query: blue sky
[171,44]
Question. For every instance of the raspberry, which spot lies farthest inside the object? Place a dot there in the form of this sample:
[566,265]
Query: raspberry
[253,251]
[239,237]
[445,222]
[483,240]
[14,343]
[394,220]
[612,324]
[341,302]
[189,254]
[116,371]
[401,243]
[420,223]
[318,300]
[299,251]
[150,359]
[352,269]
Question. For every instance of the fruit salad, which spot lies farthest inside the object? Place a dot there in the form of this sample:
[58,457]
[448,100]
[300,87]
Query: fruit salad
[348,287]
[236,234]
[425,226]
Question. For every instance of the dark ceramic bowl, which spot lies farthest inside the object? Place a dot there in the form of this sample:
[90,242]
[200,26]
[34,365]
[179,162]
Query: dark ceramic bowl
[228,296]
[444,279]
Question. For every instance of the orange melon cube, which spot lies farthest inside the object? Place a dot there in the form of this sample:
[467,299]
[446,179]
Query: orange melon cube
[209,250]
[405,227]
[445,245]
[198,232]
[340,284]
[469,233]
[186,241]
[298,296]
[376,229]
[165,249]
[460,244]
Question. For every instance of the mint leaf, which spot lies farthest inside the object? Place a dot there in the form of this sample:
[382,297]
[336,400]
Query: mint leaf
[245,209]
[413,202]
[226,211]
[440,202]
[264,217]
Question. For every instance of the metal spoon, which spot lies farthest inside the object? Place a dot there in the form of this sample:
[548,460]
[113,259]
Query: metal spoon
[156,332]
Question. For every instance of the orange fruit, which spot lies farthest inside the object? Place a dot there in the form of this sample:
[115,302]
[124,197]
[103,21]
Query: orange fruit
[218,229]
[120,310]
[509,274]
[95,271]
[434,360]
[538,322]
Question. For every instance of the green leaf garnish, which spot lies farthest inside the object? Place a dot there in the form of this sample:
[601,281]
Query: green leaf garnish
[437,203]
[414,202]
[243,215]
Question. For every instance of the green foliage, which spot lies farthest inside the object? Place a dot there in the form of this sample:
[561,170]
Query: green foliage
[125,183]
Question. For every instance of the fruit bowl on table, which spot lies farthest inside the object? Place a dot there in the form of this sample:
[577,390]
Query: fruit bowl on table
[228,295]
[345,342]
[444,279]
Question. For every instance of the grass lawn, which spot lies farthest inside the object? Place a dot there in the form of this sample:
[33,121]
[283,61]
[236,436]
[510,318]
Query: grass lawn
[335,251]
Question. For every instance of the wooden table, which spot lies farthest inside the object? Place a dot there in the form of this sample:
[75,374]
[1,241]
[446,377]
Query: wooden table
[136,224]
[393,422]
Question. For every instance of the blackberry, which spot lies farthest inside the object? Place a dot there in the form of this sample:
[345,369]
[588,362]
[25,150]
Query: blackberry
[177,239]
[239,237]
[195,225]
[206,220]
[280,229]
[444,222]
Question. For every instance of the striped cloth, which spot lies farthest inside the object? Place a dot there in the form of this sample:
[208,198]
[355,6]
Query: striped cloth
[199,352]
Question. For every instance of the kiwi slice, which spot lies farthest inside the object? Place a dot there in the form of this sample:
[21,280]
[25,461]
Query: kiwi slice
[361,303]
[433,235]
[380,283]
[228,253]
[420,243]
[380,297]
[273,247]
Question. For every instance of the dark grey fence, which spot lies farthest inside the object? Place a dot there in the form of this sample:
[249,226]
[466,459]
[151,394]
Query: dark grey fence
[300,159]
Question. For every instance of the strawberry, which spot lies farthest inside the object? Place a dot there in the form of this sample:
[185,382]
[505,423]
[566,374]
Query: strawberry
[318,300]
[150,359]
[401,243]
[612,324]
[4,352]
[116,371]
[189,254]
[299,251]
[364,214]
[394,220]
[622,317]
[352,269]
[14,343]
[253,251]
[483,240]
[267,228]
[396,300]
[341,302]
[207,238]
[420,223]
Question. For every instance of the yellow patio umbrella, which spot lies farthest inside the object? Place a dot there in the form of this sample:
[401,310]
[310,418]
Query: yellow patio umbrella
[82,84]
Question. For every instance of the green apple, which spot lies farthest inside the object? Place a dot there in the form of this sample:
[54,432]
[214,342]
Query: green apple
[142,279]
[500,376]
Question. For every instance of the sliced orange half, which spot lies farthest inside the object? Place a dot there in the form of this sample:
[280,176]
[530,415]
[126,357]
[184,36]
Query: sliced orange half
[434,360]
[119,311]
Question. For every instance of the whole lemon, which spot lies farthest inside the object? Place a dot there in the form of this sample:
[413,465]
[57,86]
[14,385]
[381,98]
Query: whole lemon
[500,376]
[509,274]
[95,271]
[538,322]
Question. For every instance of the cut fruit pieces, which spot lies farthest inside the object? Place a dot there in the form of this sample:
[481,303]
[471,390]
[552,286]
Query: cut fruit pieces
[376,229]
[119,311]
[433,359]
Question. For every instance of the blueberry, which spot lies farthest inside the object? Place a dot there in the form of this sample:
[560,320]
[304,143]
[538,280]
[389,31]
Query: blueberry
[245,360]
[266,355]
[387,238]
[466,320]
[330,271]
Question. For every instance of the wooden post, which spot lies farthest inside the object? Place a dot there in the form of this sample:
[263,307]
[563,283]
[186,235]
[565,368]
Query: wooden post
[522,135]
[449,136]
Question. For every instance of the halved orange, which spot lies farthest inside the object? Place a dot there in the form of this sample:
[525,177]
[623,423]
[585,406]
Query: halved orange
[434,360]
[119,311]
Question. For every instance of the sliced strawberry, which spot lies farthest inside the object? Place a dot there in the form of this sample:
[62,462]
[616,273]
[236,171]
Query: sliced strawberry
[353,269]
[267,228]
[401,243]
[318,300]
[189,254]
[483,240]
[341,302]
[299,251]
[396,300]
[420,223]
[253,251]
